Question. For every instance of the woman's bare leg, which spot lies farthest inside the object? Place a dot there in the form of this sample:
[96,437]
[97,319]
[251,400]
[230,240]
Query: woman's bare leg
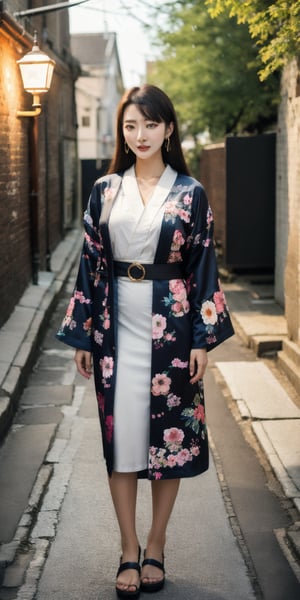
[123,488]
[164,494]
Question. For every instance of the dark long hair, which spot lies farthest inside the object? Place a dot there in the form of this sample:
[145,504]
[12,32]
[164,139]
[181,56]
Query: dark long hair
[156,106]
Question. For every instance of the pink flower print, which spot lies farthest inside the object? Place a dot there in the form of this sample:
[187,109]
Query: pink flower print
[100,399]
[109,428]
[195,450]
[98,337]
[171,462]
[173,400]
[186,306]
[177,309]
[219,300]
[175,285]
[178,290]
[91,243]
[209,216]
[107,364]
[70,307]
[157,458]
[157,476]
[183,457]
[176,362]
[178,239]
[87,325]
[106,319]
[79,296]
[159,323]
[173,436]
[184,215]
[199,413]
[174,257]
[160,384]
[187,200]
[67,322]
[171,209]
[169,337]
[180,308]
[209,313]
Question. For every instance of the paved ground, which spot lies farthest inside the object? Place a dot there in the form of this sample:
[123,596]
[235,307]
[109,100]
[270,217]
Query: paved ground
[87,534]
[47,449]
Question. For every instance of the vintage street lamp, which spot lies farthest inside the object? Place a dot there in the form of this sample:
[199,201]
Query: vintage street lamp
[36,71]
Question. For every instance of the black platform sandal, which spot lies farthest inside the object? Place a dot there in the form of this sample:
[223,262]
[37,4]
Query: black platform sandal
[154,586]
[124,567]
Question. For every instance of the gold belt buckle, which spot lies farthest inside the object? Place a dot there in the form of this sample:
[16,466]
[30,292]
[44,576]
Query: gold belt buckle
[138,266]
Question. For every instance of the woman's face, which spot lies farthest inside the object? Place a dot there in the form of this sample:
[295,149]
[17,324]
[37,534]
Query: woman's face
[143,136]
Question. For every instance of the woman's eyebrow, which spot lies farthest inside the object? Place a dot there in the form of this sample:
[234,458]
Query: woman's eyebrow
[134,120]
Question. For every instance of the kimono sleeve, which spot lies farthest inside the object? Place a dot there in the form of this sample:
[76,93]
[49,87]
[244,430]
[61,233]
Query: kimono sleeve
[211,322]
[76,326]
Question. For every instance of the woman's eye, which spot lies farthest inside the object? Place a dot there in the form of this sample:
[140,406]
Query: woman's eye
[151,125]
[128,127]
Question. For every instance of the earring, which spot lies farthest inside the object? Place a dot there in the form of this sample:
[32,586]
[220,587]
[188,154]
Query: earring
[168,144]
[126,147]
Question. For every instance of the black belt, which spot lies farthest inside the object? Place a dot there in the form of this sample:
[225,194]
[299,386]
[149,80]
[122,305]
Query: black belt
[136,271]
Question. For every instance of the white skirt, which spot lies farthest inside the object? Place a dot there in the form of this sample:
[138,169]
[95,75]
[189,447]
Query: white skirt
[133,383]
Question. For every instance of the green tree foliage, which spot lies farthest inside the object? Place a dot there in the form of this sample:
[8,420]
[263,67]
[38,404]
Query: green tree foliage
[275,27]
[209,68]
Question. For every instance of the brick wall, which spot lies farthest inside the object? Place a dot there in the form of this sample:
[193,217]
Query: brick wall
[56,123]
[213,177]
[288,200]
[15,262]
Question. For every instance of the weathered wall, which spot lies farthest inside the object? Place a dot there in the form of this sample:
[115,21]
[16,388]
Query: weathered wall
[56,132]
[213,177]
[15,264]
[287,275]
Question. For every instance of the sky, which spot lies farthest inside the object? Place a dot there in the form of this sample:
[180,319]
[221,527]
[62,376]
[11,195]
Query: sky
[117,16]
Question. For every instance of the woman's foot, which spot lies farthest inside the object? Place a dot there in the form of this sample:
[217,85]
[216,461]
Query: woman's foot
[153,571]
[128,575]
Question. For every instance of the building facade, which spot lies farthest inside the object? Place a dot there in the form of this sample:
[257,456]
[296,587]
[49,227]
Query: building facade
[287,274]
[38,155]
[98,91]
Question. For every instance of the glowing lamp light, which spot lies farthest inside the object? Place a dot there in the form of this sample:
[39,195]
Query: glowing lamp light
[36,70]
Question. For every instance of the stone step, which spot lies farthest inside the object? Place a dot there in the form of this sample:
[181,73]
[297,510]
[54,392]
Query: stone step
[289,363]
[253,386]
[293,351]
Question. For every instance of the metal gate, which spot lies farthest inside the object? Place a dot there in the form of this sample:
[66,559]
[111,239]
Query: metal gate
[250,202]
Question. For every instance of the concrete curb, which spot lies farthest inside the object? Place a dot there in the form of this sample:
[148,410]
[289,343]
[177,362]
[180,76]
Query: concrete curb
[21,334]
[261,325]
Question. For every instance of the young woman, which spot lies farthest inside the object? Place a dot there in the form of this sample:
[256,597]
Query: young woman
[146,308]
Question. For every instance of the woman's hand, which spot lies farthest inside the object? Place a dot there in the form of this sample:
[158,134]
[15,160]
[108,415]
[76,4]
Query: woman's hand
[198,364]
[83,360]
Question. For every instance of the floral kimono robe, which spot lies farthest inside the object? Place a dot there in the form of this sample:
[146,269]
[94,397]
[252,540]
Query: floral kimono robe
[187,313]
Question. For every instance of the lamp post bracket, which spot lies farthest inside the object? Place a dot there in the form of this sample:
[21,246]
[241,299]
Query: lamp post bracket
[46,9]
